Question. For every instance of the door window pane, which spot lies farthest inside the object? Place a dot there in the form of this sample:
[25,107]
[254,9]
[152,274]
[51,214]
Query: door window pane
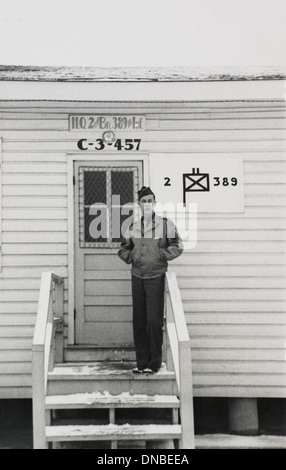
[95,225]
[122,185]
[94,187]
[105,197]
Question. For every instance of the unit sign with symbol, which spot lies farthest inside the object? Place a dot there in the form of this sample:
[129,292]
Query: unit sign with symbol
[214,183]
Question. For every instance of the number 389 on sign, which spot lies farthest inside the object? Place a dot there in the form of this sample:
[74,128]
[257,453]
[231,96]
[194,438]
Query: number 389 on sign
[225,181]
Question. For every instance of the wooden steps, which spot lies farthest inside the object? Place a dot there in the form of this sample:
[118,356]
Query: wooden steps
[106,400]
[95,353]
[113,432]
[71,378]
[110,386]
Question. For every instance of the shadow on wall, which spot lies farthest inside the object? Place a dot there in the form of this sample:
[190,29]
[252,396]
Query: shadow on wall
[211,416]
[16,424]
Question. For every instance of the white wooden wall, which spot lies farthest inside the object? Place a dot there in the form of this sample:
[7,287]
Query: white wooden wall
[232,284]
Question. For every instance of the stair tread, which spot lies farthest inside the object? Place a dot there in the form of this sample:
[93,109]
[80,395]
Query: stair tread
[113,432]
[230,441]
[105,399]
[103,369]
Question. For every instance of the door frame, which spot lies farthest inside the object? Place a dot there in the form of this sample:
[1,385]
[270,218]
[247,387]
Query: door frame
[71,158]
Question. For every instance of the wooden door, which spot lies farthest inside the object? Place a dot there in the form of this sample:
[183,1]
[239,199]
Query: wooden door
[103,304]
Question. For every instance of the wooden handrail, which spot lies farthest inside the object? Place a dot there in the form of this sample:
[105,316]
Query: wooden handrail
[51,302]
[177,308]
[43,311]
[180,347]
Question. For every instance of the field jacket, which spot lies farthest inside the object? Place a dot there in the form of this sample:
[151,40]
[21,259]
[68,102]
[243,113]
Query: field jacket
[150,246]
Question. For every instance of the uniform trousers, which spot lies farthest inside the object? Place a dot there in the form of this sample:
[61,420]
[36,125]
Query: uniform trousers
[148,314]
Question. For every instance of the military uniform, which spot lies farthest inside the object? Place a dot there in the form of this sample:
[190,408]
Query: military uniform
[148,245]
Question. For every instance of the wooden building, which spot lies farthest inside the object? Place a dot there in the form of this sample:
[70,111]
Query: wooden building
[65,132]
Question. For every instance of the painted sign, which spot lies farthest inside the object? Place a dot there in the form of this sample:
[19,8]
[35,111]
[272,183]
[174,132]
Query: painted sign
[214,183]
[96,122]
[102,144]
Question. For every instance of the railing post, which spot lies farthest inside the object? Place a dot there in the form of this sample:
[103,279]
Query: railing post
[59,321]
[169,320]
[39,409]
[181,354]
[38,364]
[186,398]
[43,352]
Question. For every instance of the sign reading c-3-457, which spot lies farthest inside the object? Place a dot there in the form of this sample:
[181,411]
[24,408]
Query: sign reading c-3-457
[97,122]
[101,144]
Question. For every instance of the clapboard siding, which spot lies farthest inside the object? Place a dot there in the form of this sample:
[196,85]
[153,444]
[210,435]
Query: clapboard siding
[17,319]
[34,237]
[233,281]
[34,240]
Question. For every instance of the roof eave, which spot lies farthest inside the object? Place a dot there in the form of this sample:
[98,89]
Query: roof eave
[144,91]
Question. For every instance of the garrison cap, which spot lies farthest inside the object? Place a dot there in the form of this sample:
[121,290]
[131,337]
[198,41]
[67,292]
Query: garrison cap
[145,191]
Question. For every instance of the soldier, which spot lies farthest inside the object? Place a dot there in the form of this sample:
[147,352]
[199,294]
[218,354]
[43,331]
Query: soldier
[149,244]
